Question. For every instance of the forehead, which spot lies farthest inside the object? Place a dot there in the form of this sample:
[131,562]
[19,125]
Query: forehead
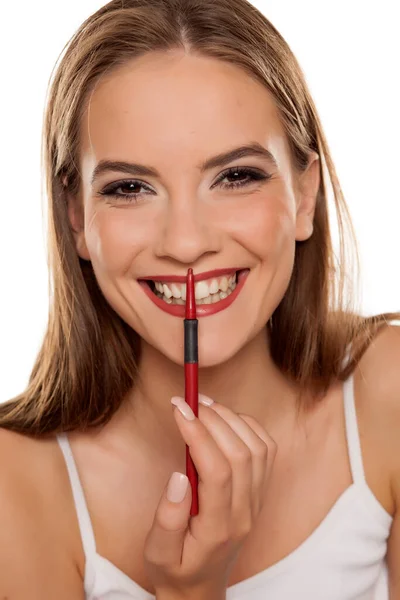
[183,105]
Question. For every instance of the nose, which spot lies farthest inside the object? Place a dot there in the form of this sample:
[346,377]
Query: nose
[187,232]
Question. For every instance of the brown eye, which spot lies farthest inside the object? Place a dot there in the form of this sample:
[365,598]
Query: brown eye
[129,186]
[242,176]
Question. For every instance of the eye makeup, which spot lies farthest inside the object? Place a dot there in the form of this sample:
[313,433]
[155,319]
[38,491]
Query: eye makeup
[252,176]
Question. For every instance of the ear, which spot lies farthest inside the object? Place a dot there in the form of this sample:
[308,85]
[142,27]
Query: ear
[306,196]
[77,221]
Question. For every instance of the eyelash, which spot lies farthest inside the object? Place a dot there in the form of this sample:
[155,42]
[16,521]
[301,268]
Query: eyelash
[254,174]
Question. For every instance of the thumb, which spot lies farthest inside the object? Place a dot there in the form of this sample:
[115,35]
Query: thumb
[164,542]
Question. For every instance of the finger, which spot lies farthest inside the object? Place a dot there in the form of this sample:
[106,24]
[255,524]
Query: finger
[214,478]
[230,440]
[264,473]
[258,446]
[164,542]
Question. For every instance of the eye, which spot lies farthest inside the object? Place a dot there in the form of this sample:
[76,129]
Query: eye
[242,176]
[236,173]
[130,184]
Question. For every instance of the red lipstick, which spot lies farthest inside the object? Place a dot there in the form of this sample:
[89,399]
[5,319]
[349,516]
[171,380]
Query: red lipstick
[203,310]
[190,312]
[191,377]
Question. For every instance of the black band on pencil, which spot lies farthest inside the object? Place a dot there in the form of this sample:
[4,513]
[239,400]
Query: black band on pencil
[191,346]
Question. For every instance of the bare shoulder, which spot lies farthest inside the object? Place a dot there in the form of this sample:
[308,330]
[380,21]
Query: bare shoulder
[377,396]
[35,526]
[381,361]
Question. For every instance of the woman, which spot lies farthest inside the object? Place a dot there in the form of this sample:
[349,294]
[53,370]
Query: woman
[181,133]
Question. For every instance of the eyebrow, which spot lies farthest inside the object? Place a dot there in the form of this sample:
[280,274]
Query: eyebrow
[220,160]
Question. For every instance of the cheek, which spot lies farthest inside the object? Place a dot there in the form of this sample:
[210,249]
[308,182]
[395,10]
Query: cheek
[114,238]
[266,226]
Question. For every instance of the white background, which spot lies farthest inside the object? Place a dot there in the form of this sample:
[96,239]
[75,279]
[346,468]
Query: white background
[349,52]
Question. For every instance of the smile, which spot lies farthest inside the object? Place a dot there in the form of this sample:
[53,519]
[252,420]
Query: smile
[213,294]
[208,291]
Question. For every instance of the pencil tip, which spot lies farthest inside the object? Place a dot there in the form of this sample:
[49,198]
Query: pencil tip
[190,296]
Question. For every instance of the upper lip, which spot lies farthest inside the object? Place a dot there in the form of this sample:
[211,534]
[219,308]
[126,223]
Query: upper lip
[197,276]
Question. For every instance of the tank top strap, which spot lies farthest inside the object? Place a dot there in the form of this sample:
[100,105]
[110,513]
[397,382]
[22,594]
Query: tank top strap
[85,524]
[352,431]
[351,425]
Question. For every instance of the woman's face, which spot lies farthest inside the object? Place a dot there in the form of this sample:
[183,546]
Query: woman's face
[172,112]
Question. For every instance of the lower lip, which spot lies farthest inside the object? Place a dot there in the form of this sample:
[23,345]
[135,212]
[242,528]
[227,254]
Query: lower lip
[202,310]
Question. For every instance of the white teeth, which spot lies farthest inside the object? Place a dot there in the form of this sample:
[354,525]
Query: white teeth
[211,299]
[176,292]
[167,291]
[206,292]
[213,287]
[223,284]
[201,290]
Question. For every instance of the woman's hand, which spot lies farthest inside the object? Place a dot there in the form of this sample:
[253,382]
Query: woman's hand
[233,455]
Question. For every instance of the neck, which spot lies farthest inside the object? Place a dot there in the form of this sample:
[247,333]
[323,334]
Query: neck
[248,383]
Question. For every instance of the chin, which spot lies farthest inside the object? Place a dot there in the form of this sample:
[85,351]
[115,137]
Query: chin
[212,357]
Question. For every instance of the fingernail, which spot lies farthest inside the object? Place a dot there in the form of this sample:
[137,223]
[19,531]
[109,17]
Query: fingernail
[177,486]
[205,400]
[183,407]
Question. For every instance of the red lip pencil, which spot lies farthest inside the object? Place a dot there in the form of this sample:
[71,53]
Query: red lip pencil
[191,378]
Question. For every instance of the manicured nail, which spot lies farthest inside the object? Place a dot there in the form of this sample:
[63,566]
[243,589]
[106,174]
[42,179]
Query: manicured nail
[183,407]
[177,486]
[205,400]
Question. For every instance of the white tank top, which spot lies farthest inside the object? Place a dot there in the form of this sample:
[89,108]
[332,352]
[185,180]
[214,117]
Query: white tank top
[343,559]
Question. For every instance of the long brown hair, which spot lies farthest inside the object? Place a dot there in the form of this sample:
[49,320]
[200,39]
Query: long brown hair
[89,357]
